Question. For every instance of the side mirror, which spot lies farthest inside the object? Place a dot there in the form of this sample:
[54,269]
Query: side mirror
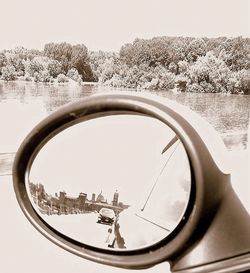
[131,181]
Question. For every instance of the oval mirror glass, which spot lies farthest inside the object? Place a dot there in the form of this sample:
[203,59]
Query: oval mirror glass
[118,182]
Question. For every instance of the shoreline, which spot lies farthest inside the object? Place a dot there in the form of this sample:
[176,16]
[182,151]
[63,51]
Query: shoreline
[70,82]
[110,87]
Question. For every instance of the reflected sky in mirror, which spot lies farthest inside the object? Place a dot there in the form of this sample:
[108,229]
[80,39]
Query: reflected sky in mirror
[118,182]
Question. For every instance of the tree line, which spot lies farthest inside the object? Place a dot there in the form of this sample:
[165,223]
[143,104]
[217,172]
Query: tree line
[58,61]
[186,64]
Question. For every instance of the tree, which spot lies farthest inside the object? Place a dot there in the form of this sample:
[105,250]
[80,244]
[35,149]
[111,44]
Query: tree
[235,53]
[160,51]
[74,75]
[196,48]
[12,59]
[208,74]
[80,61]
[213,44]
[151,52]
[18,56]
[8,73]
[3,61]
[36,65]
[180,48]
[54,68]
[99,60]
[136,54]
[126,54]
[69,56]
[61,78]
[239,82]
[60,52]
[183,66]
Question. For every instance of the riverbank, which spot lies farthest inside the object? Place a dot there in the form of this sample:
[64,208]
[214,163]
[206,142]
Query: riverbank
[55,82]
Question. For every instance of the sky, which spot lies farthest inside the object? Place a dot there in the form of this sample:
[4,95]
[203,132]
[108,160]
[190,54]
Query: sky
[109,24]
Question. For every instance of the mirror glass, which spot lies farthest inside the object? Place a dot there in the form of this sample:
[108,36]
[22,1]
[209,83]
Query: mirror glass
[116,182]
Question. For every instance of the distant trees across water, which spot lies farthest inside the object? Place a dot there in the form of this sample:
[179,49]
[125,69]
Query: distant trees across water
[59,62]
[187,64]
[219,65]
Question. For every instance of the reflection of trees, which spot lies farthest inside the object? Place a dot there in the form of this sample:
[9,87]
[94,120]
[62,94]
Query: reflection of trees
[53,96]
[60,95]
[56,99]
[62,203]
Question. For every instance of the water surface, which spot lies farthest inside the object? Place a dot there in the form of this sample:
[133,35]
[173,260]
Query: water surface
[24,104]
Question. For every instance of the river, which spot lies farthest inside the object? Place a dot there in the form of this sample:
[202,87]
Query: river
[23,104]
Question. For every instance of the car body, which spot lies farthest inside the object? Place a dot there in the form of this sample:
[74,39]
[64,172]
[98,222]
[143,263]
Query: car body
[106,215]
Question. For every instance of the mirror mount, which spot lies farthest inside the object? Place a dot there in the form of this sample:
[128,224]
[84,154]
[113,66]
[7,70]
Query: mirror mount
[215,229]
[224,242]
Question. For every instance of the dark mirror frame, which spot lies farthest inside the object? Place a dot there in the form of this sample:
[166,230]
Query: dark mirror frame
[215,230]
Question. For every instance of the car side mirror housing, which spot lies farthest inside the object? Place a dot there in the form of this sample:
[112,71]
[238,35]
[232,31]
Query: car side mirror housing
[211,230]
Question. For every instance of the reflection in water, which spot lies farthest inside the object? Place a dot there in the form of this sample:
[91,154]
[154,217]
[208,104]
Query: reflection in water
[52,95]
[24,104]
[112,182]
[228,114]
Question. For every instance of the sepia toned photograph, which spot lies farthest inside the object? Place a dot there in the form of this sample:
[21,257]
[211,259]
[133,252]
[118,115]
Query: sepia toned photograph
[125,136]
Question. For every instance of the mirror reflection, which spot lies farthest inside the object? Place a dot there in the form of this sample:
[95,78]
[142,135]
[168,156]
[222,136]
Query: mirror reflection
[118,182]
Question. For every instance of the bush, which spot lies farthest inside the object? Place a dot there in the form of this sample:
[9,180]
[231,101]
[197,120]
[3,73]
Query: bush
[27,78]
[99,61]
[54,68]
[195,88]
[8,73]
[74,75]
[173,68]
[45,76]
[239,82]
[61,78]
[210,73]
[138,77]
[3,61]
[158,78]
[181,82]
[245,81]
[183,66]
[36,77]
[14,59]
[34,66]
[115,81]
[167,81]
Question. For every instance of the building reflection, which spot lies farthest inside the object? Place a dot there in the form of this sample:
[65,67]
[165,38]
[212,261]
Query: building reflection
[62,203]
